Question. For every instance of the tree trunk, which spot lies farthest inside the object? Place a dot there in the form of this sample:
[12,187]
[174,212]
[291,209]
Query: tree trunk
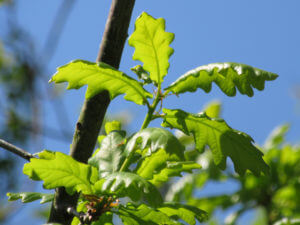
[94,109]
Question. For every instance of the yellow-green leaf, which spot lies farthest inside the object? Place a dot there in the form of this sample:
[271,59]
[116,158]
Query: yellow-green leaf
[100,77]
[151,44]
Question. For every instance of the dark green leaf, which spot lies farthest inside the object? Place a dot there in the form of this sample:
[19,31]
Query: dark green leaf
[100,77]
[222,139]
[30,197]
[228,76]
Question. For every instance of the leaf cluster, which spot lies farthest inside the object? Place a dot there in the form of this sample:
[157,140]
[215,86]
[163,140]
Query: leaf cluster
[135,166]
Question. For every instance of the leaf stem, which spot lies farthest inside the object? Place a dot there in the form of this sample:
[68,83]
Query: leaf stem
[152,108]
[145,124]
[16,150]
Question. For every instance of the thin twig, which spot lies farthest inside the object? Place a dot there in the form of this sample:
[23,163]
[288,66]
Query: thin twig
[16,150]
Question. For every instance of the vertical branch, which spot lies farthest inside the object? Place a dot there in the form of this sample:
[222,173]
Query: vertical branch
[94,109]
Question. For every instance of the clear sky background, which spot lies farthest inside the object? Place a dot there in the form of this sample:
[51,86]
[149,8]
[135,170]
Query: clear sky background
[264,34]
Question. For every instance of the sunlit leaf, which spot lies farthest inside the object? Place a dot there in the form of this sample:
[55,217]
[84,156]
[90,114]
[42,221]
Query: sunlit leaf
[111,154]
[111,126]
[228,76]
[154,139]
[30,197]
[151,44]
[159,166]
[62,171]
[213,109]
[126,184]
[222,140]
[100,77]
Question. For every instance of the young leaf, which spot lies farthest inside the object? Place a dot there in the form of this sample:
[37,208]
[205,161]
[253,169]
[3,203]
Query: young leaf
[62,171]
[228,76]
[151,44]
[126,184]
[111,154]
[154,139]
[30,197]
[213,109]
[222,140]
[111,126]
[161,165]
[100,77]
[185,212]
[143,215]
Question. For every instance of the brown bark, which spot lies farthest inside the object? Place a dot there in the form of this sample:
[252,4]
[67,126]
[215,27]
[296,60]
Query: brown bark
[94,109]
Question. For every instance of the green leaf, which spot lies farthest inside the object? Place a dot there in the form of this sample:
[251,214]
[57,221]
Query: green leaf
[222,140]
[161,165]
[111,154]
[143,215]
[185,212]
[100,77]
[111,126]
[151,44]
[228,76]
[105,219]
[173,169]
[126,184]
[154,139]
[213,109]
[62,171]
[30,197]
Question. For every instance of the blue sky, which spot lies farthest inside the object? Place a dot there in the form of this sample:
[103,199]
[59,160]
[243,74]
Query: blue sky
[264,34]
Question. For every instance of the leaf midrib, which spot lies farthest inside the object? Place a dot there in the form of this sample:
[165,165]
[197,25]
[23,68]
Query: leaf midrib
[95,71]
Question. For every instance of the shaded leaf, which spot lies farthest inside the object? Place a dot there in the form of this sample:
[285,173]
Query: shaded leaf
[151,44]
[185,212]
[100,77]
[143,215]
[30,197]
[62,171]
[126,184]
[228,76]
[111,154]
[222,140]
[142,74]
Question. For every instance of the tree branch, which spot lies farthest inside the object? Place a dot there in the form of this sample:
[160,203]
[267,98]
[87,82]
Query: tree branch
[94,109]
[16,150]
